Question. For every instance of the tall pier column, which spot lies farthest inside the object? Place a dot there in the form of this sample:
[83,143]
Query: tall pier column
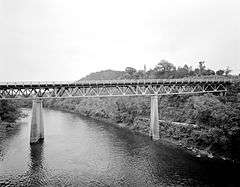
[154,118]
[37,129]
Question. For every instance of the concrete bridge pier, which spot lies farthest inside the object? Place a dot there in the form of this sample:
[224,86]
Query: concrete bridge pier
[37,128]
[154,125]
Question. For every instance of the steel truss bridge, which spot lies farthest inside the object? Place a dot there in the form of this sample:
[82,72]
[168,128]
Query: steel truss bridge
[37,91]
[111,88]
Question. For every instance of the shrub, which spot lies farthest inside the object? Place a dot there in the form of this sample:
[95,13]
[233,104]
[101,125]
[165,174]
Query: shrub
[9,111]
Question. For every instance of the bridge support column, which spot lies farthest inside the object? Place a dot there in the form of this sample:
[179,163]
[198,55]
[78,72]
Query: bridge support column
[154,126]
[37,129]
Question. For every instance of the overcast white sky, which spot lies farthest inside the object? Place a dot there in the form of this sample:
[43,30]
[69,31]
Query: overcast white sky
[68,39]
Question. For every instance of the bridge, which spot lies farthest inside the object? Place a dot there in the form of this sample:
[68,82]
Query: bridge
[37,91]
[34,90]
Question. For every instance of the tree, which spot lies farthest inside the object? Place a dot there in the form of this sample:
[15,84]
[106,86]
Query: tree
[165,66]
[164,69]
[140,74]
[183,71]
[9,111]
[130,70]
[208,72]
[220,72]
[201,67]
[130,73]
[227,71]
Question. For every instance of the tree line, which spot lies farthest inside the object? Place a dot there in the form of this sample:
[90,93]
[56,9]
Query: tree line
[166,70]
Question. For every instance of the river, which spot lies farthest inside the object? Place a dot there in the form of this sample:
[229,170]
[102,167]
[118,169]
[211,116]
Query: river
[83,152]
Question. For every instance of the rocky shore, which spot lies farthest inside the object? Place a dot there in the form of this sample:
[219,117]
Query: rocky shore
[177,134]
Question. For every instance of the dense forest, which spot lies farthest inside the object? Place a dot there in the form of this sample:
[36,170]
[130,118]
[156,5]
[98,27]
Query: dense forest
[217,116]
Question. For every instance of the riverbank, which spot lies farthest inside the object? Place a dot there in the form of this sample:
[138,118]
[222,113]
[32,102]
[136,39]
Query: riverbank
[175,133]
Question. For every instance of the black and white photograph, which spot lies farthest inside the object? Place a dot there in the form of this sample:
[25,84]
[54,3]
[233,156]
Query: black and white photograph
[130,93]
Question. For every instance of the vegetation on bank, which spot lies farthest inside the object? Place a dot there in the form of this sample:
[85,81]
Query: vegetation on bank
[217,116]
[9,111]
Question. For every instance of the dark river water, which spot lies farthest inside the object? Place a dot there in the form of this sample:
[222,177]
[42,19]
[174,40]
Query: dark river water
[83,152]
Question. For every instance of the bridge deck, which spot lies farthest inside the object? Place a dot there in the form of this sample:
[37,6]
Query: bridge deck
[117,82]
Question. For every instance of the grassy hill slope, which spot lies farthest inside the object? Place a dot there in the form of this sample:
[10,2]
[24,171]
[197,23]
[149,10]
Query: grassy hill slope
[104,75]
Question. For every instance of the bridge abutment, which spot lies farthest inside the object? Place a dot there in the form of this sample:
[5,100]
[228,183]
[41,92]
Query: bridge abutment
[37,128]
[154,124]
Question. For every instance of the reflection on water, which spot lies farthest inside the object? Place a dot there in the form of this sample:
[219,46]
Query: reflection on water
[36,156]
[82,152]
[36,163]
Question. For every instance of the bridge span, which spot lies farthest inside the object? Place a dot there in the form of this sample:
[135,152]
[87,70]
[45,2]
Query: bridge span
[110,88]
[37,91]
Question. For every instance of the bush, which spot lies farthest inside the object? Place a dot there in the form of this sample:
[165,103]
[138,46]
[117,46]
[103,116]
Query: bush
[9,111]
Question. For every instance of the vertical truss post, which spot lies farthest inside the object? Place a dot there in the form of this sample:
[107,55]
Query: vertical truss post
[37,129]
[154,118]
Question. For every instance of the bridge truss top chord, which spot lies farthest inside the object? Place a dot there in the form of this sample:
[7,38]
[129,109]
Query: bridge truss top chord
[111,88]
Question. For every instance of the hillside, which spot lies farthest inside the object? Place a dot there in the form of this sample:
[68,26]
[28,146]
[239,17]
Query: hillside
[103,75]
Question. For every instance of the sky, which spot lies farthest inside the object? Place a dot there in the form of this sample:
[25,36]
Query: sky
[53,40]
